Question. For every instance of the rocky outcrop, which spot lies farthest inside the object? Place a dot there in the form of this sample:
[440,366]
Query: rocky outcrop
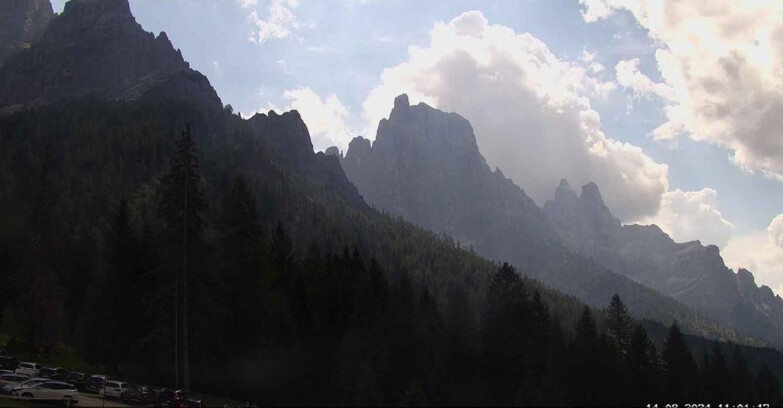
[690,272]
[22,22]
[289,140]
[425,167]
[96,48]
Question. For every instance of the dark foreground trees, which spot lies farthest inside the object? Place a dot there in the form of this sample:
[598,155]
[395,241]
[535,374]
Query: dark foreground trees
[281,315]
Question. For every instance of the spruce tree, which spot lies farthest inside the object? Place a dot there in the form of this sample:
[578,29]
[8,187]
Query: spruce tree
[680,383]
[181,206]
[742,379]
[619,326]
[240,245]
[584,365]
[718,379]
[768,388]
[642,366]
[506,335]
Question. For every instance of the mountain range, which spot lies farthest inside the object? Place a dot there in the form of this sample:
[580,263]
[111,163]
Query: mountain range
[425,166]
[95,48]
[90,107]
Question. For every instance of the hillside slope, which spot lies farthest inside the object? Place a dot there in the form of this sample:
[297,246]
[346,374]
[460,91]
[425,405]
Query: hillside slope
[425,167]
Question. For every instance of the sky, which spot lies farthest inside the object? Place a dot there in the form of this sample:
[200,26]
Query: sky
[674,108]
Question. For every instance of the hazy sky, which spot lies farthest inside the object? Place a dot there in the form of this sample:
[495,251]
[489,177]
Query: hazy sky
[674,108]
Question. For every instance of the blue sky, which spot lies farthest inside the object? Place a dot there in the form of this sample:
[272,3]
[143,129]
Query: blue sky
[326,58]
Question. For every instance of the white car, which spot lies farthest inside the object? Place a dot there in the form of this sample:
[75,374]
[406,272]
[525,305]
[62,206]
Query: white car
[115,389]
[12,379]
[9,389]
[28,369]
[50,391]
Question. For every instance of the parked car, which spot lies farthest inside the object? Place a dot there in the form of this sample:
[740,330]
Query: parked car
[8,362]
[13,379]
[168,398]
[95,383]
[76,378]
[28,369]
[6,372]
[29,383]
[193,402]
[50,391]
[140,394]
[54,373]
[115,389]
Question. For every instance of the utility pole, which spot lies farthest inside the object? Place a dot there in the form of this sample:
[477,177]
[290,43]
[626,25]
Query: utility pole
[176,330]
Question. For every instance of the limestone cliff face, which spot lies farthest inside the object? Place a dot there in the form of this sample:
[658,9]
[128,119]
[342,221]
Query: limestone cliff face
[690,272]
[22,22]
[96,48]
[289,139]
[425,165]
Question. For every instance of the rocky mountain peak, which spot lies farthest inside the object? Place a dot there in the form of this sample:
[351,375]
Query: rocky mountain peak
[96,47]
[334,151]
[99,7]
[401,102]
[425,132]
[564,195]
[22,22]
[746,277]
[287,134]
[592,195]
[359,147]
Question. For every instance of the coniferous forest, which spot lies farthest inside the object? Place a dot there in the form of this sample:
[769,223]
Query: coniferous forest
[151,234]
[287,286]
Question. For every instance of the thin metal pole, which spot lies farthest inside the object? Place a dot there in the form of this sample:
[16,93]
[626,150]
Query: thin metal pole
[185,345]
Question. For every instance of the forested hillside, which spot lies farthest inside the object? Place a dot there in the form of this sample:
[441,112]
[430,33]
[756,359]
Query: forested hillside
[425,167]
[150,229]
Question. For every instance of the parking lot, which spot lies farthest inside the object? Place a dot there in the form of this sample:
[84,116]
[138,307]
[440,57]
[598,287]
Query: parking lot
[85,400]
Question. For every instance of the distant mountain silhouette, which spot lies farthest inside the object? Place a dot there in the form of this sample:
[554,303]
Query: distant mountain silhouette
[689,272]
[425,166]
[96,48]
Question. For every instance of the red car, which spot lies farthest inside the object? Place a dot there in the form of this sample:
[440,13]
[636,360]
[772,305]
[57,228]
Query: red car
[193,403]
[168,398]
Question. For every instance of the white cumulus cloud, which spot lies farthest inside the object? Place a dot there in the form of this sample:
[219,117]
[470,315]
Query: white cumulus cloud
[278,22]
[761,253]
[692,215]
[630,76]
[530,111]
[723,61]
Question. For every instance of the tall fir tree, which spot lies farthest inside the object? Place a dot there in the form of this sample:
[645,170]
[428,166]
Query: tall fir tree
[506,335]
[619,326]
[680,371]
[742,379]
[182,206]
[241,249]
[768,387]
[642,367]
[718,378]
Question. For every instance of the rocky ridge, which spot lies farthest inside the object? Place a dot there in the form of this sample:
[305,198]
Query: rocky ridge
[689,272]
[95,48]
[22,22]
[425,166]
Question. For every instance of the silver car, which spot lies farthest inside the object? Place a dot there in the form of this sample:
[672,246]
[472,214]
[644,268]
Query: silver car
[50,391]
[8,389]
[14,379]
